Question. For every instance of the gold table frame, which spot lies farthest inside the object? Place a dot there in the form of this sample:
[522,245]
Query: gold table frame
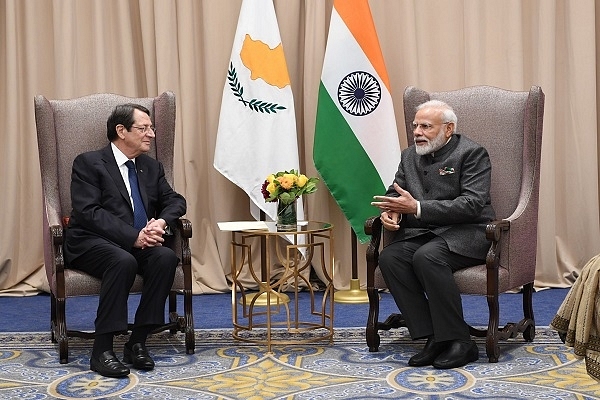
[269,307]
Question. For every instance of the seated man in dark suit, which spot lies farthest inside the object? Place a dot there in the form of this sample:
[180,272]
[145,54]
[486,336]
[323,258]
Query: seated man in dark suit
[439,204]
[116,231]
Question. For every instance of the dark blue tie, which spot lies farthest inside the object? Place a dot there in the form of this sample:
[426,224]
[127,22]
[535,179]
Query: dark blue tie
[139,212]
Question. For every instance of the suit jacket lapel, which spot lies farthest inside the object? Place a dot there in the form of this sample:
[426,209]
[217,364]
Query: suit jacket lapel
[113,170]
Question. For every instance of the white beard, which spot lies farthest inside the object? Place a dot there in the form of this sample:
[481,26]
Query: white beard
[432,145]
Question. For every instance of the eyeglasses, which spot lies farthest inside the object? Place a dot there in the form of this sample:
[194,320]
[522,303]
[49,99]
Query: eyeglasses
[427,127]
[145,128]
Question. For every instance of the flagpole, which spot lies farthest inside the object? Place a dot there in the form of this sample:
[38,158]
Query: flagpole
[354,295]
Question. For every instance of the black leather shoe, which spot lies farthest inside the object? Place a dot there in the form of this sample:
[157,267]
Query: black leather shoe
[429,353]
[108,365]
[393,321]
[138,356]
[459,354]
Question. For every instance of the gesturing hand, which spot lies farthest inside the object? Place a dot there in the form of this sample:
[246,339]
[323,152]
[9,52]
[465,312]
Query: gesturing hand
[393,207]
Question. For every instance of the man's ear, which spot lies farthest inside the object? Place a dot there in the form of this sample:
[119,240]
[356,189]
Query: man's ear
[120,128]
[449,129]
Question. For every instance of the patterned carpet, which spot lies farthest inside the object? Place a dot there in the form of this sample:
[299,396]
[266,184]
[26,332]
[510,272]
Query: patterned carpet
[223,368]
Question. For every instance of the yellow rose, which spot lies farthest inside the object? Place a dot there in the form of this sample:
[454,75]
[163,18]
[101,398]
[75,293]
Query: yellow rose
[271,187]
[302,179]
[270,178]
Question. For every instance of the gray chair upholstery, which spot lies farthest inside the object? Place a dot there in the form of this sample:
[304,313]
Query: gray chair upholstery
[66,128]
[509,125]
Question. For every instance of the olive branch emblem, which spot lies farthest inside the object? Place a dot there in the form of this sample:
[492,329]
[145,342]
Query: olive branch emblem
[254,104]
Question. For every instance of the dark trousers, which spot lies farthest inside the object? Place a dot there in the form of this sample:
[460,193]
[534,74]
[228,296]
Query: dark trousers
[117,268]
[418,273]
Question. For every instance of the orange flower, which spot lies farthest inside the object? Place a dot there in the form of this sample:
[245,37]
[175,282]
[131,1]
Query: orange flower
[287,181]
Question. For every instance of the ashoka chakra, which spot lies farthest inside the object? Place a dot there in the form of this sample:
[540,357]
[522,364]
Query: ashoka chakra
[359,93]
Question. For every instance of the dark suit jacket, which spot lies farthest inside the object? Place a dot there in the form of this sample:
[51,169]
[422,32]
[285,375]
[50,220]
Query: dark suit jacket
[102,210]
[453,186]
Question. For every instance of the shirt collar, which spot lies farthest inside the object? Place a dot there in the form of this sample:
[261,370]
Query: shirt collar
[120,158]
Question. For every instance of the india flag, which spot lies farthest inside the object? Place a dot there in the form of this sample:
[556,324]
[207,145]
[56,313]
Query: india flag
[257,124]
[356,147]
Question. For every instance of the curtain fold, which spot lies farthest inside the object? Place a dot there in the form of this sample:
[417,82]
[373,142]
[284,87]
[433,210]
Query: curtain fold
[71,48]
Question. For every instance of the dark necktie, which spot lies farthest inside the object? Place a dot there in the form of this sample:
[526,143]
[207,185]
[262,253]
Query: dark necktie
[139,212]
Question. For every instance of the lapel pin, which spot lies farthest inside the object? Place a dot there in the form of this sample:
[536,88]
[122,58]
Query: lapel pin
[446,171]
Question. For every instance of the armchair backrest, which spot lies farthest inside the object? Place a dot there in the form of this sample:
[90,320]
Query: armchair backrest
[66,128]
[509,125]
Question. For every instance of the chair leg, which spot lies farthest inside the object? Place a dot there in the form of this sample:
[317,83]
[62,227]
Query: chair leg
[59,331]
[173,309]
[190,338]
[52,316]
[491,344]
[528,323]
[373,338]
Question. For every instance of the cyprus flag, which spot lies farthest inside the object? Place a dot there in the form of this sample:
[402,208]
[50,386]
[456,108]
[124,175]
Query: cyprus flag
[257,125]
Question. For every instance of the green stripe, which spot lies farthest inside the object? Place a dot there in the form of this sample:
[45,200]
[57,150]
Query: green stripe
[344,166]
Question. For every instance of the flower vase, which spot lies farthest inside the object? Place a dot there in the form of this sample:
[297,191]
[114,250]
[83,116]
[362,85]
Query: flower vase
[287,218]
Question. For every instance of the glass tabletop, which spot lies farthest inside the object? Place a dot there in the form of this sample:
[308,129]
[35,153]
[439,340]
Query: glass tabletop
[301,227]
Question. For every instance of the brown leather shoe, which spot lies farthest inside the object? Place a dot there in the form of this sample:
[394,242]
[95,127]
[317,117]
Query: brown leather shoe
[138,356]
[107,364]
[459,354]
[429,353]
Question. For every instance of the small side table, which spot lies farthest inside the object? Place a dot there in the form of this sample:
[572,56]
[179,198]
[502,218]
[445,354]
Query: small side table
[257,315]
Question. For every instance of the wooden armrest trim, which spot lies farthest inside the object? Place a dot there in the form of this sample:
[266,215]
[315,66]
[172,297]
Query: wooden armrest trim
[493,231]
[373,228]
[185,226]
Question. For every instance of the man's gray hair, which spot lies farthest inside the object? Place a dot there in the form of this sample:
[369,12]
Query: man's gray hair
[448,112]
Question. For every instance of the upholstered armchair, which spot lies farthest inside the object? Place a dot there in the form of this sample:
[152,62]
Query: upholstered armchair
[66,128]
[509,125]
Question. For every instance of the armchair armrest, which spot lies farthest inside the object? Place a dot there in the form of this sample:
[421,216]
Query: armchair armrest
[56,271]
[493,231]
[373,227]
[56,232]
[183,233]
[185,227]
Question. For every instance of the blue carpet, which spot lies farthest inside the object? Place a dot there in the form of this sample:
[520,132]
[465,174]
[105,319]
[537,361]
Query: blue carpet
[223,368]
[213,311]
